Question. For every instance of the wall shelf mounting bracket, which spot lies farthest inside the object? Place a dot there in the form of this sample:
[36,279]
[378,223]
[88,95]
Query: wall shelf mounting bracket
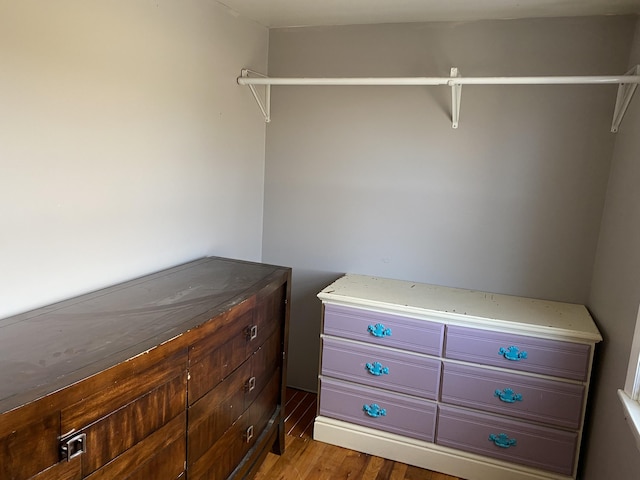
[625,93]
[263,103]
[456,94]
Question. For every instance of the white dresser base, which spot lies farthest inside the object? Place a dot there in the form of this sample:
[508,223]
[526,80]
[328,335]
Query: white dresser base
[422,454]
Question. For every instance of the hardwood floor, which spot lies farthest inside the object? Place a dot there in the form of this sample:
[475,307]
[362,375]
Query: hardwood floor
[306,459]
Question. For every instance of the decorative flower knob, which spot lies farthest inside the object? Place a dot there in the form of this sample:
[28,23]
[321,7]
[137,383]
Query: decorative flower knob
[374,410]
[512,353]
[379,330]
[507,395]
[502,440]
[376,368]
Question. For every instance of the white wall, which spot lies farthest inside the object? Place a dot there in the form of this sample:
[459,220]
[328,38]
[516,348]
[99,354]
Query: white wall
[615,295]
[374,180]
[125,143]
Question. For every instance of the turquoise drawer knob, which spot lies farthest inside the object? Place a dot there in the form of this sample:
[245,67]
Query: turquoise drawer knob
[502,440]
[376,368]
[374,410]
[379,330]
[507,395]
[512,353]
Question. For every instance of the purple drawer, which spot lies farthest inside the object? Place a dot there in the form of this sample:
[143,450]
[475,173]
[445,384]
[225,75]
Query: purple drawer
[402,415]
[509,440]
[367,364]
[530,398]
[384,329]
[518,352]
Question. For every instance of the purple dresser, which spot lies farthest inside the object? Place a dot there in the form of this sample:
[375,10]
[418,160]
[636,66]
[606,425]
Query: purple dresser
[472,384]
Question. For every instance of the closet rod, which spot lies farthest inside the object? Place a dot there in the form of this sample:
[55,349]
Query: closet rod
[627,84]
[579,80]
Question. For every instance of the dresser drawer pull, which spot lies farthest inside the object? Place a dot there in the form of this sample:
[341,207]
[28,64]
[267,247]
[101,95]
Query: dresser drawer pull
[374,410]
[73,446]
[251,332]
[507,395]
[248,434]
[512,353]
[377,369]
[379,330]
[502,440]
[250,385]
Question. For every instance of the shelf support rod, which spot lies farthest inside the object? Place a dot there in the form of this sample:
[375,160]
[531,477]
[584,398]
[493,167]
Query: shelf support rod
[265,106]
[456,94]
[625,94]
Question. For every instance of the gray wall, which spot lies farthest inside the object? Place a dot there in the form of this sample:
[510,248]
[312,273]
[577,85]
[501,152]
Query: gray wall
[125,143]
[374,180]
[614,301]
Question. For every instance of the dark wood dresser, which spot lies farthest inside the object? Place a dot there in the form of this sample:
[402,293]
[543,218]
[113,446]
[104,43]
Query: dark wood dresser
[178,374]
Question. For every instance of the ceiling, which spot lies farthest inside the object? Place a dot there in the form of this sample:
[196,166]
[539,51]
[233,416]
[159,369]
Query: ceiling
[290,13]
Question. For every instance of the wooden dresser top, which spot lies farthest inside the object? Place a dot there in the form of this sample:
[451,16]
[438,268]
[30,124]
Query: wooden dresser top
[49,348]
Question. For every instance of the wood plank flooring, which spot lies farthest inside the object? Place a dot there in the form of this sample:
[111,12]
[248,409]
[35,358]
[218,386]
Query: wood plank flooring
[306,459]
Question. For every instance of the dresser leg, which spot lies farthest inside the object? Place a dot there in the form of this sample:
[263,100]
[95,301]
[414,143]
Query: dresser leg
[278,445]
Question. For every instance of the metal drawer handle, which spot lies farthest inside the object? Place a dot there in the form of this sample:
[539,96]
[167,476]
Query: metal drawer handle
[251,332]
[377,369]
[250,385]
[502,440]
[512,353]
[507,395]
[374,410]
[73,446]
[379,330]
[248,435]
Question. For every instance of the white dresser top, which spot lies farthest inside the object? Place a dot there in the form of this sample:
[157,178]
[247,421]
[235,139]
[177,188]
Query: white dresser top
[465,307]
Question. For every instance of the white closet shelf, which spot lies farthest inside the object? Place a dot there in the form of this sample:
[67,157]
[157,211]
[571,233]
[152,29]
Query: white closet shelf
[627,84]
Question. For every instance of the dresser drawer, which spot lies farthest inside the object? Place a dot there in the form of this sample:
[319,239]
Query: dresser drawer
[398,414]
[159,456]
[37,441]
[215,412]
[391,370]
[508,440]
[518,352]
[133,423]
[219,461]
[118,386]
[530,398]
[71,470]
[384,329]
[222,347]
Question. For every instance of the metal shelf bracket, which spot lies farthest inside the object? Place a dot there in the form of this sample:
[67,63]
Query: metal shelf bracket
[625,93]
[263,103]
[456,94]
